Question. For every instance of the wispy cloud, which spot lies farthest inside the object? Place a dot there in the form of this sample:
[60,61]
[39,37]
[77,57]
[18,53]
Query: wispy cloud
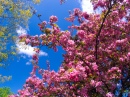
[21,31]
[86,6]
[26,49]
[29,62]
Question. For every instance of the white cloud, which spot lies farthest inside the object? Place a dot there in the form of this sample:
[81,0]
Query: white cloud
[86,6]
[26,49]
[28,63]
[21,31]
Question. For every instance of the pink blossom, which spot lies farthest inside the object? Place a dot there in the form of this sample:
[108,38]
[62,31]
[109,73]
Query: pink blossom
[98,84]
[94,66]
[93,83]
[128,54]
[76,11]
[121,41]
[121,59]
[42,25]
[27,41]
[85,15]
[74,75]
[81,34]
[53,19]
[70,42]
[109,94]
[35,57]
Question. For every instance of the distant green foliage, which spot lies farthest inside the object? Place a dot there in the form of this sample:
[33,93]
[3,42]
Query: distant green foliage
[5,92]
[13,13]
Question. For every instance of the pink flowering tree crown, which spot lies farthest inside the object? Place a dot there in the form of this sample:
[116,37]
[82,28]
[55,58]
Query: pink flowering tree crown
[97,58]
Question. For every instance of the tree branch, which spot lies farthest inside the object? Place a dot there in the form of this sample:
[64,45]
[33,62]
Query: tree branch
[100,29]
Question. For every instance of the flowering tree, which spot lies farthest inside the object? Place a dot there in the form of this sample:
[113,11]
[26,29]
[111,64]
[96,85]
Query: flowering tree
[97,58]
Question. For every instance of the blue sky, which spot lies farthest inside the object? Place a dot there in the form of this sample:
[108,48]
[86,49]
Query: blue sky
[20,68]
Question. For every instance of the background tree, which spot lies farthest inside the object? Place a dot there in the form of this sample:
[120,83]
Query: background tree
[97,58]
[5,92]
[13,13]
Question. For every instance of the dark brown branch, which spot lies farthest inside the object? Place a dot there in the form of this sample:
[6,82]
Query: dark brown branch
[100,29]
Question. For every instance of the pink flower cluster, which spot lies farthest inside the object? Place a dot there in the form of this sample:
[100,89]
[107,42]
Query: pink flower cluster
[53,19]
